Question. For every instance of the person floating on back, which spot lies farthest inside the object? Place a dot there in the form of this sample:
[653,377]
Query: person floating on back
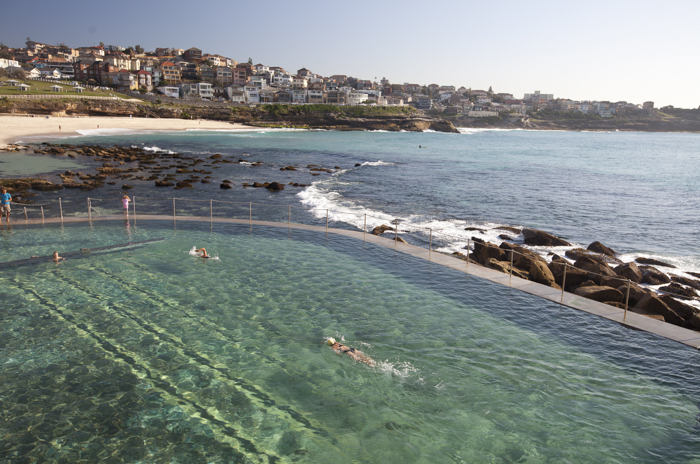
[5,200]
[357,355]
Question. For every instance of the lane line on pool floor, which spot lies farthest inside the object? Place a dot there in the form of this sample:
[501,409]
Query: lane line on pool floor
[626,318]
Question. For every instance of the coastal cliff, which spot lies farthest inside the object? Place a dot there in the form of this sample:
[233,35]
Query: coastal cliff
[302,116]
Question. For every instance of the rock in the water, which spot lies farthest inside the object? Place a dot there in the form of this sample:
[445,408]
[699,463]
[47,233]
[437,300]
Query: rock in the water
[504,266]
[654,305]
[514,230]
[652,276]
[257,185]
[686,281]
[358,164]
[577,253]
[127,187]
[475,229]
[379,230]
[182,185]
[630,271]
[694,274]
[506,237]
[225,186]
[215,157]
[164,183]
[536,237]
[275,186]
[653,262]
[600,248]
[400,240]
[574,277]
[679,291]
[601,294]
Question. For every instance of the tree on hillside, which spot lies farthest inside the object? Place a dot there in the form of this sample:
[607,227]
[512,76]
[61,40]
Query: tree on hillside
[138,49]
[490,89]
[19,74]
[28,41]
[3,72]
[3,46]
[250,61]
[5,54]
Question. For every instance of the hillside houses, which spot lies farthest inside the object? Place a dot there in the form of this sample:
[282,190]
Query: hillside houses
[192,73]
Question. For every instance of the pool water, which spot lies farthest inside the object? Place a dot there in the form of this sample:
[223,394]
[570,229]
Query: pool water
[149,354]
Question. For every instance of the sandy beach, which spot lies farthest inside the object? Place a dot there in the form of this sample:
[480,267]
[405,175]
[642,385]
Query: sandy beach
[18,128]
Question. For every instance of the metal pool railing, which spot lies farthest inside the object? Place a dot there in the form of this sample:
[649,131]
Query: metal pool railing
[206,209]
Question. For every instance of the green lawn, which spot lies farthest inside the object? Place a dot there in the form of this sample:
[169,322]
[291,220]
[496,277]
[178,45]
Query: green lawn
[44,88]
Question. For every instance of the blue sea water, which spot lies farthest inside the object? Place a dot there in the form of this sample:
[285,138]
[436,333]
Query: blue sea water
[635,192]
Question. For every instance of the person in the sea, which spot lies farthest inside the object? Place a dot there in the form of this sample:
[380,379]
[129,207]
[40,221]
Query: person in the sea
[5,200]
[204,253]
[57,258]
[357,355]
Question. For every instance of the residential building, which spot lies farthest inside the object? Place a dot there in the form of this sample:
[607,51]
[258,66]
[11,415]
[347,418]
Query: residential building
[258,81]
[483,99]
[284,96]
[282,80]
[224,75]
[239,76]
[538,97]
[299,95]
[433,88]
[462,90]
[188,71]
[315,96]
[251,93]
[170,91]
[5,63]
[202,90]
[505,96]
[236,96]
[481,113]
[337,97]
[261,68]
[193,54]
[303,72]
[299,82]
[163,51]
[171,73]
[423,102]
[144,80]
[356,98]
[206,73]
[266,95]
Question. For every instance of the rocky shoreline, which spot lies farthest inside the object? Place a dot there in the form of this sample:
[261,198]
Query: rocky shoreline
[595,273]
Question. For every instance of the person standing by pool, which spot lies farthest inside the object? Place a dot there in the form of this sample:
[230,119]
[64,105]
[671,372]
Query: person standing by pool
[125,204]
[5,200]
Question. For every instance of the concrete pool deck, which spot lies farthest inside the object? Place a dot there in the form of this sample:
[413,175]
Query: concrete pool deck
[626,318]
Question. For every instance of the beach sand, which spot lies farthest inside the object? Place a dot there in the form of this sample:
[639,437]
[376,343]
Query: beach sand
[19,128]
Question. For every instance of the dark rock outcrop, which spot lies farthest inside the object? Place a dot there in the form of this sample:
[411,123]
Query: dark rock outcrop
[654,262]
[655,305]
[679,291]
[602,294]
[275,186]
[630,271]
[652,276]
[577,253]
[536,237]
[225,185]
[600,248]
[379,230]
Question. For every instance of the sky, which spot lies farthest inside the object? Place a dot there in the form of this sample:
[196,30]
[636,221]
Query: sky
[614,50]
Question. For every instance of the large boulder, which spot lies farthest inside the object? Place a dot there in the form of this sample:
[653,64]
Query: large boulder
[602,294]
[654,305]
[540,273]
[484,251]
[686,281]
[574,277]
[684,310]
[654,262]
[379,230]
[600,248]
[275,186]
[504,266]
[224,185]
[577,253]
[679,291]
[630,271]
[652,276]
[164,183]
[614,281]
[596,270]
[536,237]
[636,293]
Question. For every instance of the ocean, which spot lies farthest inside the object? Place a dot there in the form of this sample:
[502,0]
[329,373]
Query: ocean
[635,192]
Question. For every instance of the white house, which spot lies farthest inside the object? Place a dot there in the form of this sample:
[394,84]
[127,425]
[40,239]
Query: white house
[251,93]
[481,114]
[356,98]
[172,92]
[50,73]
[4,63]
[258,81]
[299,82]
[299,95]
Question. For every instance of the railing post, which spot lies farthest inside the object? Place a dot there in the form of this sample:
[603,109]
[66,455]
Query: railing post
[211,212]
[430,245]
[563,282]
[364,229]
[134,204]
[326,222]
[396,234]
[290,217]
[60,209]
[510,279]
[42,214]
[627,300]
[25,214]
[173,209]
[89,210]
[250,213]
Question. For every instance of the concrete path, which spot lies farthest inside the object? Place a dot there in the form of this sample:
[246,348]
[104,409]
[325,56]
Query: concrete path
[626,318]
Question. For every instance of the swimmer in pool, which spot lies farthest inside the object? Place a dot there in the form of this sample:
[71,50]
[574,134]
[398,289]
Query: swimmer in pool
[204,253]
[357,355]
[57,258]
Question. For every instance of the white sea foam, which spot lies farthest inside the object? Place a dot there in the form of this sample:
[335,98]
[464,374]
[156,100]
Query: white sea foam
[155,149]
[377,163]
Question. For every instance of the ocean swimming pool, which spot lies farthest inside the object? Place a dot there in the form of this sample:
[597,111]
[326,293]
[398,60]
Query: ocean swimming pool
[152,355]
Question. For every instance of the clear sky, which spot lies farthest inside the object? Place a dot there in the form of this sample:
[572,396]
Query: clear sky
[584,50]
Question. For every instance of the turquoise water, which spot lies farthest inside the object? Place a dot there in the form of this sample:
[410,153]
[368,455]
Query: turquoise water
[153,355]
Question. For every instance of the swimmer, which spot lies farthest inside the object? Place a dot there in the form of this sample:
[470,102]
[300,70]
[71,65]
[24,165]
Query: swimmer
[357,355]
[204,253]
[57,258]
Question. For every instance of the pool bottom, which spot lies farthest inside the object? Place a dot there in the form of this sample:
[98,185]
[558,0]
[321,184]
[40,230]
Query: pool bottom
[152,355]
